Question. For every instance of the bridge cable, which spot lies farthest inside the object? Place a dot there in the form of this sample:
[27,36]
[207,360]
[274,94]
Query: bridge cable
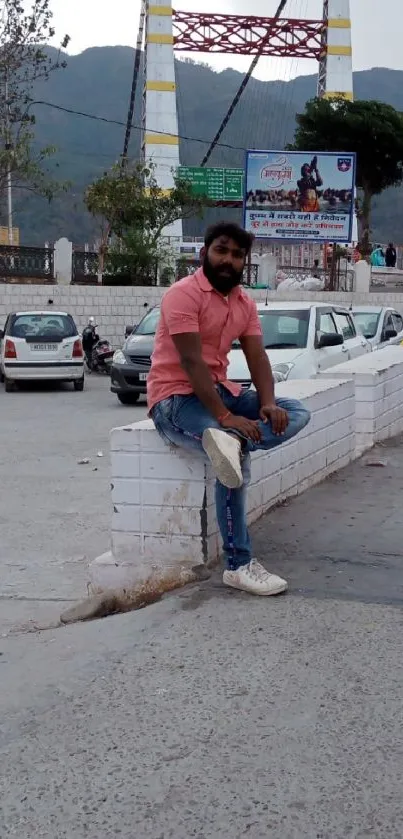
[135,78]
[243,85]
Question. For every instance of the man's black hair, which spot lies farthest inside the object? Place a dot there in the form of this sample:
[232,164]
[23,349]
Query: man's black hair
[231,231]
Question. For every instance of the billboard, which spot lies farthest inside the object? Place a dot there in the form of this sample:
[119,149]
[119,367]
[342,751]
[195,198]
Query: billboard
[299,195]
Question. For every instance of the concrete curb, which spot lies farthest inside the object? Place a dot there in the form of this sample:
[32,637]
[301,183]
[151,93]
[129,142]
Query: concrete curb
[128,597]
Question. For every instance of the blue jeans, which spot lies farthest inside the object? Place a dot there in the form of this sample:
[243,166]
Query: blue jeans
[181,420]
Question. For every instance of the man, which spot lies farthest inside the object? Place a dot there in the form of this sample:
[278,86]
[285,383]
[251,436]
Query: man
[307,187]
[90,338]
[390,256]
[315,270]
[193,405]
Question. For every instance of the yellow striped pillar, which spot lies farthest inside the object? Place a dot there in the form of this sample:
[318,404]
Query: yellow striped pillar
[336,70]
[160,118]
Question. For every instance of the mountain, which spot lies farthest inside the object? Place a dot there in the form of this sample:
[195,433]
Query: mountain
[98,82]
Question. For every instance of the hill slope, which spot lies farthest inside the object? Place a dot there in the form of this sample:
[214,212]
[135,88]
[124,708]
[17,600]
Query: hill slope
[98,82]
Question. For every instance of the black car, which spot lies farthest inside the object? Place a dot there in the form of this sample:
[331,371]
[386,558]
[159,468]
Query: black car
[131,364]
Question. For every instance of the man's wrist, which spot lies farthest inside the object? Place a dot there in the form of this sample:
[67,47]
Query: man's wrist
[267,400]
[224,416]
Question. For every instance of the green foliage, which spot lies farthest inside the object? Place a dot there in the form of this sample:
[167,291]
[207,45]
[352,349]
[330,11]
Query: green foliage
[135,256]
[24,64]
[136,211]
[372,129]
[130,200]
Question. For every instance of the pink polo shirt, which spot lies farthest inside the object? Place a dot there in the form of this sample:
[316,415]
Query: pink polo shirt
[193,305]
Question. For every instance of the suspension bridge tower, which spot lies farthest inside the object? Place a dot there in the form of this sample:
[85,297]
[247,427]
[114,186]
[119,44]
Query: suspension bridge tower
[328,41]
[335,77]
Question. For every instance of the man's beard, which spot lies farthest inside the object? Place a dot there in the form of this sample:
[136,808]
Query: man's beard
[223,278]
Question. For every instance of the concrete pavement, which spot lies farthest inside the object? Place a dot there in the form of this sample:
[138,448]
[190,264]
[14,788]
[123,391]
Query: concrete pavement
[54,514]
[213,714]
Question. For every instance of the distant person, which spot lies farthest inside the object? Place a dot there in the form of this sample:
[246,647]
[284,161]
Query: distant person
[90,338]
[390,256]
[308,184]
[377,257]
[315,270]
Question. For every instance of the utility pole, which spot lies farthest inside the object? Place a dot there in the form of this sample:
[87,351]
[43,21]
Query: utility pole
[8,147]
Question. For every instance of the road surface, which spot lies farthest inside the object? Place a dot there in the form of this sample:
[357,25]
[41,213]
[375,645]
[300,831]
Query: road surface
[54,513]
[211,714]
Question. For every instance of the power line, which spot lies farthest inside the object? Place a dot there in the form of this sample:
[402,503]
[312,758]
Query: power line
[134,126]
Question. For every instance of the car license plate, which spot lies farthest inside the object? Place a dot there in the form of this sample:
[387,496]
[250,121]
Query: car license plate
[143,377]
[45,347]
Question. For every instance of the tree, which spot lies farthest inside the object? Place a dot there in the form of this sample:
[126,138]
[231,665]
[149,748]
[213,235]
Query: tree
[23,62]
[134,211]
[137,257]
[371,129]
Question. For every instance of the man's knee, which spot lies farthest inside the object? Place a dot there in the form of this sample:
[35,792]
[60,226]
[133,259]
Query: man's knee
[303,415]
[298,414]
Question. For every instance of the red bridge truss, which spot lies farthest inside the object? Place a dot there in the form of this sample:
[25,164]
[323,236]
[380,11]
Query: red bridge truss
[245,34]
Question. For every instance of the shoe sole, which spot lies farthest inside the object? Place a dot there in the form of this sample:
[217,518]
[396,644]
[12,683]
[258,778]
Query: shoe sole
[279,590]
[226,472]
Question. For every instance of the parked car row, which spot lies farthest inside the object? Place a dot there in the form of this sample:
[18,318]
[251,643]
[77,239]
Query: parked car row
[301,339]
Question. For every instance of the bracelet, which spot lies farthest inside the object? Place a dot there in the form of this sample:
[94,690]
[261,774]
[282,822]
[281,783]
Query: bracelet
[223,417]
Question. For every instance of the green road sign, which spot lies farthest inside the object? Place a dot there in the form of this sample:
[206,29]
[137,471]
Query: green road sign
[216,184]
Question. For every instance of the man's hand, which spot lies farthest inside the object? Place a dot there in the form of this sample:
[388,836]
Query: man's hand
[247,428]
[278,418]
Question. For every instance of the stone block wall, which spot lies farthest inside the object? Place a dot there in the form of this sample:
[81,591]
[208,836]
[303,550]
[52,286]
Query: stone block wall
[163,519]
[114,307]
[378,380]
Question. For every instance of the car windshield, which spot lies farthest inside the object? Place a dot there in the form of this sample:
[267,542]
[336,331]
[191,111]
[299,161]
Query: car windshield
[148,326]
[283,329]
[368,322]
[38,325]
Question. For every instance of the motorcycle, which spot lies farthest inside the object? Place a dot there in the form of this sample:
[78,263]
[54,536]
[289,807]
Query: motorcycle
[100,358]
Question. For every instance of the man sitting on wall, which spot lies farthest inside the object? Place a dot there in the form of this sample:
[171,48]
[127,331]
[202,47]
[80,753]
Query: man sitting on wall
[193,404]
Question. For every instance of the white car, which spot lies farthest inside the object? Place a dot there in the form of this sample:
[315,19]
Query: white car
[302,339]
[381,325]
[42,346]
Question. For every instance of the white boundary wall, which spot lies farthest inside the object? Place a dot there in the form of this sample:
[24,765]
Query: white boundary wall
[114,307]
[164,520]
[378,379]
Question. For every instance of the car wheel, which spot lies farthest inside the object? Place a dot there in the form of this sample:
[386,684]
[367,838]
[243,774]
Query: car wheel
[128,398]
[8,386]
[79,384]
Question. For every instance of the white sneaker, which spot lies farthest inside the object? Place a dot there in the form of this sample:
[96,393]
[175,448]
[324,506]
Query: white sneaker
[224,453]
[254,579]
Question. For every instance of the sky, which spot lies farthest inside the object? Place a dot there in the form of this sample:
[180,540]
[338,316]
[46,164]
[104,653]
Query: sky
[377,30]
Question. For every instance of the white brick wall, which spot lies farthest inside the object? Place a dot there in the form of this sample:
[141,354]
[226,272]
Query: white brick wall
[115,307]
[325,445]
[378,379]
[164,518]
